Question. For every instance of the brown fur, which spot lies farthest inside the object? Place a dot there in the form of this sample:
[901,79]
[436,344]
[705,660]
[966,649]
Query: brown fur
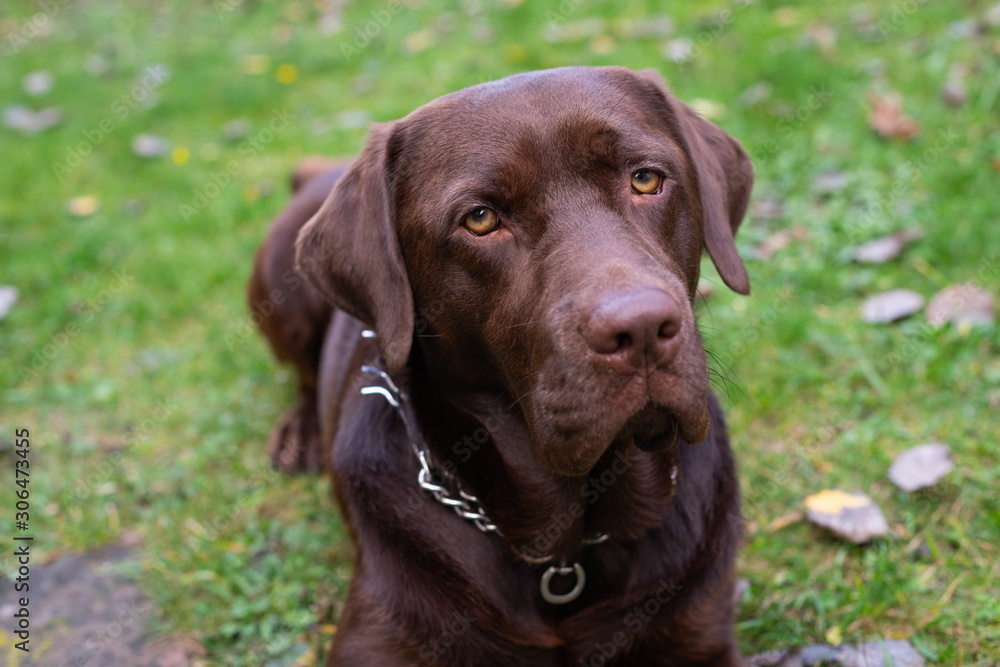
[550,365]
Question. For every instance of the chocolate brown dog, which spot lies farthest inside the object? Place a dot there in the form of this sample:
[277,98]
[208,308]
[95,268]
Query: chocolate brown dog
[490,312]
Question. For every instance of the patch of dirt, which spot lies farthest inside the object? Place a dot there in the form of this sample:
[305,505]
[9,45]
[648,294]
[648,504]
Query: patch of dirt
[84,614]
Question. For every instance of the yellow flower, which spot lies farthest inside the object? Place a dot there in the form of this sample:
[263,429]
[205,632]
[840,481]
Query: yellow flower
[287,74]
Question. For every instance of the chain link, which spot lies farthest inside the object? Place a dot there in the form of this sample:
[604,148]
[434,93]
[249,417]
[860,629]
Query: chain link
[463,503]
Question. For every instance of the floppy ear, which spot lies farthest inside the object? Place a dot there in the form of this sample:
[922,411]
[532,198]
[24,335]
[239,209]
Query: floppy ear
[724,176]
[350,252]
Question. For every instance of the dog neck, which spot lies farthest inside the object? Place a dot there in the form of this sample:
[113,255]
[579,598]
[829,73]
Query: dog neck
[482,439]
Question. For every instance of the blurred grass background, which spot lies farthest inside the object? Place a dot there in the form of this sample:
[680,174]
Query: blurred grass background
[130,354]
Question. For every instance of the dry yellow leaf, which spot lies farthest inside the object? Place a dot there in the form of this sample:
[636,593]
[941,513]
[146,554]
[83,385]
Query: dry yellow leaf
[834,501]
[83,206]
[852,516]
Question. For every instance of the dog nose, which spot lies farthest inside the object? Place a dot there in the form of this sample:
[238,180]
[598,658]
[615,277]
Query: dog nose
[634,330]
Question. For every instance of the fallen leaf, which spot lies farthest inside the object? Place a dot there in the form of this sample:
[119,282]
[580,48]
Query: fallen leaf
[352,119]
[678,50]
[992,16]
[236,129]
[421,40]
[865,23]
[852,516]
[881,250]
[660,25]
[756,93]
[883,653]
[769,208]
[773,244]
[705,289]
[878,251]
[571,31]
[954,93]
[8,297]
[784,521]
[887,117]
[83,206]
[786,16]
[920,466]
[741,588]
[710,109]
[830,182]
[148,145]
[823,35]
[964,29]
[38,82]
[891,306]
[96,64]
[255,63]
[602,44]
[832,501]
[878,653]
[962,305]
[21,118]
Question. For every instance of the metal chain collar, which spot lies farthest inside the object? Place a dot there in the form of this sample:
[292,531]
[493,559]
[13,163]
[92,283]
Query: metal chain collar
[465,504]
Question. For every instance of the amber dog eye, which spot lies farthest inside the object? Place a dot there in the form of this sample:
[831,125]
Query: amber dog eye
[646,182]
[481,221]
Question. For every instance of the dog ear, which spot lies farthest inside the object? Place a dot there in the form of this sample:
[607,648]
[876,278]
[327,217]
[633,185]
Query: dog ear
[350,252]
[725,176]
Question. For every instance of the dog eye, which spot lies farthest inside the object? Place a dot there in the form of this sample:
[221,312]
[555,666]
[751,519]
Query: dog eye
[646,182]
[481,221]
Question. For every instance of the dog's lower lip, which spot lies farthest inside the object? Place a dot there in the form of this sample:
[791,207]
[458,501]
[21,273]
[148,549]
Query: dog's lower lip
[654,431]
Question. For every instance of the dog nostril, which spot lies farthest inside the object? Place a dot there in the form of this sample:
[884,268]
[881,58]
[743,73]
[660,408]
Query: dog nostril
[670,328]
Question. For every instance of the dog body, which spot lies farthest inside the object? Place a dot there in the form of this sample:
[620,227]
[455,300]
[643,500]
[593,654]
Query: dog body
[527,254]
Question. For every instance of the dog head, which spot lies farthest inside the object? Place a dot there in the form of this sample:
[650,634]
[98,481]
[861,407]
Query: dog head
[541,235]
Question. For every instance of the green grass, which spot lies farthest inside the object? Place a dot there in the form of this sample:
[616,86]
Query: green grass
[149,402]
